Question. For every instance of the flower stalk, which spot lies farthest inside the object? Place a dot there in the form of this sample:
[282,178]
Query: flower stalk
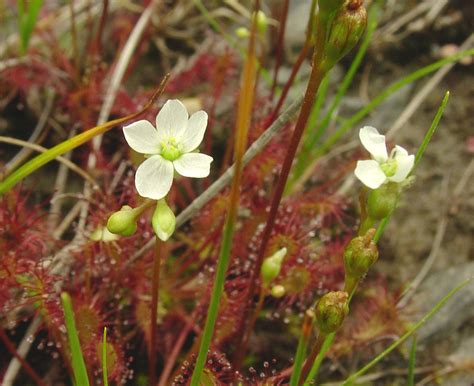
[155,297]
[245,104]
[320,66]
[306,329]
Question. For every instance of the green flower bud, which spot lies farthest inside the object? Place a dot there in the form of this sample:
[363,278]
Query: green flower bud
[123,222]
[360,254]
[262,22]
[328,7]
[382,201]
[278,291]
[242,32]
[271,267]
[331,310]
[345,31]
[163,220]
[130,230]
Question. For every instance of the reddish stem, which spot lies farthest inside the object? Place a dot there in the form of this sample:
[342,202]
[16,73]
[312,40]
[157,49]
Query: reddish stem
[171,359]
[317,74]
[29,370]
[312,357]
[154,309]
[279,49]
[289,83]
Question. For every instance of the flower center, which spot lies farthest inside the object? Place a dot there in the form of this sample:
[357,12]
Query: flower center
[389,167]
[170,149]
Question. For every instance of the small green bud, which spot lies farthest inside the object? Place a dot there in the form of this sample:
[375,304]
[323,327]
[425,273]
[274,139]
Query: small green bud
[123,222]
[262,22]
[278,291]
[382,201]
[271,267]
[163,220]
[360,254]
[242,32]
[347,27]
[331,310]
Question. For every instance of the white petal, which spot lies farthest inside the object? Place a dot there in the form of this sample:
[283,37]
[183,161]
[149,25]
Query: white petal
[142,137]
[193,165]
[154,177]
[405,163]
[370,174]
[194,133]
[374,143]
[172,119]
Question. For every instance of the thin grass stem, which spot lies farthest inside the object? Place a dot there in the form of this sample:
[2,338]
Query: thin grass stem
[409,333]
[411,363]
[77,360]
[49,155]
[105,376]
[243,122]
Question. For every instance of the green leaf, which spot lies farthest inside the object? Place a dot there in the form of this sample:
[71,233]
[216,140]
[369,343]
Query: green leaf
[409,333]
[411,364]
[78,365]
[27,20]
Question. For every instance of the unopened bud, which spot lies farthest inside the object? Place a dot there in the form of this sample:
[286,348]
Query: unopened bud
[360,254]
[331,310]
[163,220]
[271,267]
[123,222]
[346,29]
[328,7]
[262,22]
[242,32]
[382,201]
[278,291]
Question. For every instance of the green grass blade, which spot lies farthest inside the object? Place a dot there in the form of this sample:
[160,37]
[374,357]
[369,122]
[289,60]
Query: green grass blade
[409,333]
[419,154]
[319,359]
[104,358]
[78,365]
[349,123]
[27,20]
[233,41]
[432,129]
[42,159]
[299,359]
[411,364]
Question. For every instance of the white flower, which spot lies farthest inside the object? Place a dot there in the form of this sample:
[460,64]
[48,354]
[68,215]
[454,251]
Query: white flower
[382,168]
[167,148]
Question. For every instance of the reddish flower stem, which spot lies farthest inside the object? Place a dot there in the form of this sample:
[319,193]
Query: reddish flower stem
[159,246]
[317,74]
[29,370]
[312,357]
[171,359]
[296,66]
[279,48]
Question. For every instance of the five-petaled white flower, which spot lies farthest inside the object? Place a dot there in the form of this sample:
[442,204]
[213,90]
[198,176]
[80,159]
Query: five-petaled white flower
[167,148]
[382,168]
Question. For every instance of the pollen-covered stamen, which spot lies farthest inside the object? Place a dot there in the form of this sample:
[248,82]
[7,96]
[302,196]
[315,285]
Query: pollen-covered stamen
[170,149]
